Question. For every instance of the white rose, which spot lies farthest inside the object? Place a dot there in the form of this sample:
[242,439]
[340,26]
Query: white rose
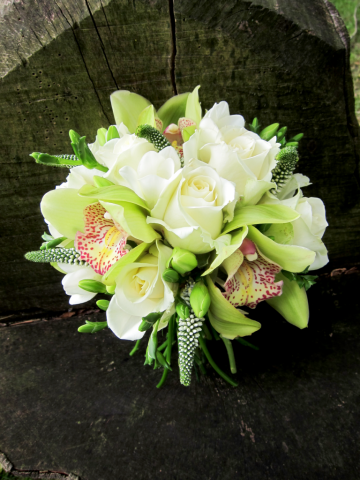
[152,175]
[235,153]
[140,290]
[308,229]
[191,210]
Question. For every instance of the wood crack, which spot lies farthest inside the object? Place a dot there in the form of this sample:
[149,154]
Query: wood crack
[83,59]
[102,44]
[173,51]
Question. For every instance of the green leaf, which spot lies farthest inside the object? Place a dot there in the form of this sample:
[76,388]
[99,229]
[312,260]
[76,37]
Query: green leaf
[147,117]
[289,257]
[47,237]
[127,107]
[225,318]
[83,152]
[193,107]
[153,342]
[112,194]
[254,214]
[292,304]
[63,209]
[173,109]
[161,359]
[131,257]
[132,219]
[237,238]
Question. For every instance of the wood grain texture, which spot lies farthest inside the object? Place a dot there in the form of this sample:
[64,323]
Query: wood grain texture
[59,61]
[79,403]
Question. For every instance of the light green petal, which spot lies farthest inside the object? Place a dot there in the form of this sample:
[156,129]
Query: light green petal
[237,238]
[193,107]
[112,194]
[257,214]
[225,318]
[127,107]
[289,257]
[282,233]
[147,117]
[173,109]
[131,257]
[63,208]
[292,304]
[254,190]
[132,219]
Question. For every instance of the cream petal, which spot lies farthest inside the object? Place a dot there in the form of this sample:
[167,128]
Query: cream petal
[123,324]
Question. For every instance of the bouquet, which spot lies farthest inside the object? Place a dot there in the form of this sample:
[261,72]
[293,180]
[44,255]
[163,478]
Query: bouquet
[183,222]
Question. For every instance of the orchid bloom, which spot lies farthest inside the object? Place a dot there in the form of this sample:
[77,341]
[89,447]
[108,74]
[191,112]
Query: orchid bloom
[177,135]
[104,240]
[251,276]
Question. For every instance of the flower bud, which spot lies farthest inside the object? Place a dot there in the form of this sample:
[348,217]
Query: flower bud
[149,320]
[103,304]
[182,310]
[170,275]
[183,261]
[110,289]
[200,299]
[92,286]
[268,132]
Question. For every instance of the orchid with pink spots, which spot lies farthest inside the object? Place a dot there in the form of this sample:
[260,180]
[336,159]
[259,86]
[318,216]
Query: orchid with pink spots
[184,222]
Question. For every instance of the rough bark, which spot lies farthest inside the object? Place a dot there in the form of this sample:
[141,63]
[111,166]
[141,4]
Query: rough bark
[78,403]
[59,61]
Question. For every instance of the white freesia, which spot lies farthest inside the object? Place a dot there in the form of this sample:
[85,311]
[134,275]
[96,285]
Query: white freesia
[140,290]
[235,153]
[119,152]
[152,174]
[75,273]
[309,228]
[80,176]
[193,207]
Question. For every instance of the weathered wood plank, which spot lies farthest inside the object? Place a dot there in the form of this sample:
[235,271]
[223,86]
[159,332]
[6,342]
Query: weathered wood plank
[78,403]
[278,60]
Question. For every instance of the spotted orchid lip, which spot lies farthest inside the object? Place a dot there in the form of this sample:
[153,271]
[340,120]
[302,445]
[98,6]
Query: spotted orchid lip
[103,242]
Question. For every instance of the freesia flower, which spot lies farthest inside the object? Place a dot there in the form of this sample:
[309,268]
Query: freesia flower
[140,290]
[235,153]
[70,282]
[193,207]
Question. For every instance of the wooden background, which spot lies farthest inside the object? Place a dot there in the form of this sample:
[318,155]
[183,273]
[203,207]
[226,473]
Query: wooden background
[60,60]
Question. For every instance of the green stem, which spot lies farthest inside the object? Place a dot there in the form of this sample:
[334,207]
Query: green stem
[230,353]
[136,348]
[213,364]
[169,342]
[207,333]
[246,343]
[214,332]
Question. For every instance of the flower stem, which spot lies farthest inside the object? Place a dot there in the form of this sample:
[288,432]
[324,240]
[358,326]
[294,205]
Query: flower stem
[213,364]
[168,350]
[207,333]
[230,353]
[214,332]
[136,348]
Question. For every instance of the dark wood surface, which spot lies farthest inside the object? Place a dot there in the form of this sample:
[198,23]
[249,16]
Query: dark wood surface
[78,403]
[59,61]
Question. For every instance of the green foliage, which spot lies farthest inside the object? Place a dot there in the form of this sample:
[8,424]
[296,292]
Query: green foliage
[301,278]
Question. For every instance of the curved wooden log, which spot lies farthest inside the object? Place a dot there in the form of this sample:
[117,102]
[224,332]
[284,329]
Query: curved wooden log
[59,61]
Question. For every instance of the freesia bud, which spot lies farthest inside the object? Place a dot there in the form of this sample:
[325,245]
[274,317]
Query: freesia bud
[103,304]
[170,275]
[110,289]
[92,286]
[182,310]
[268,132]
[183,261]
[200,299]
[149,320]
